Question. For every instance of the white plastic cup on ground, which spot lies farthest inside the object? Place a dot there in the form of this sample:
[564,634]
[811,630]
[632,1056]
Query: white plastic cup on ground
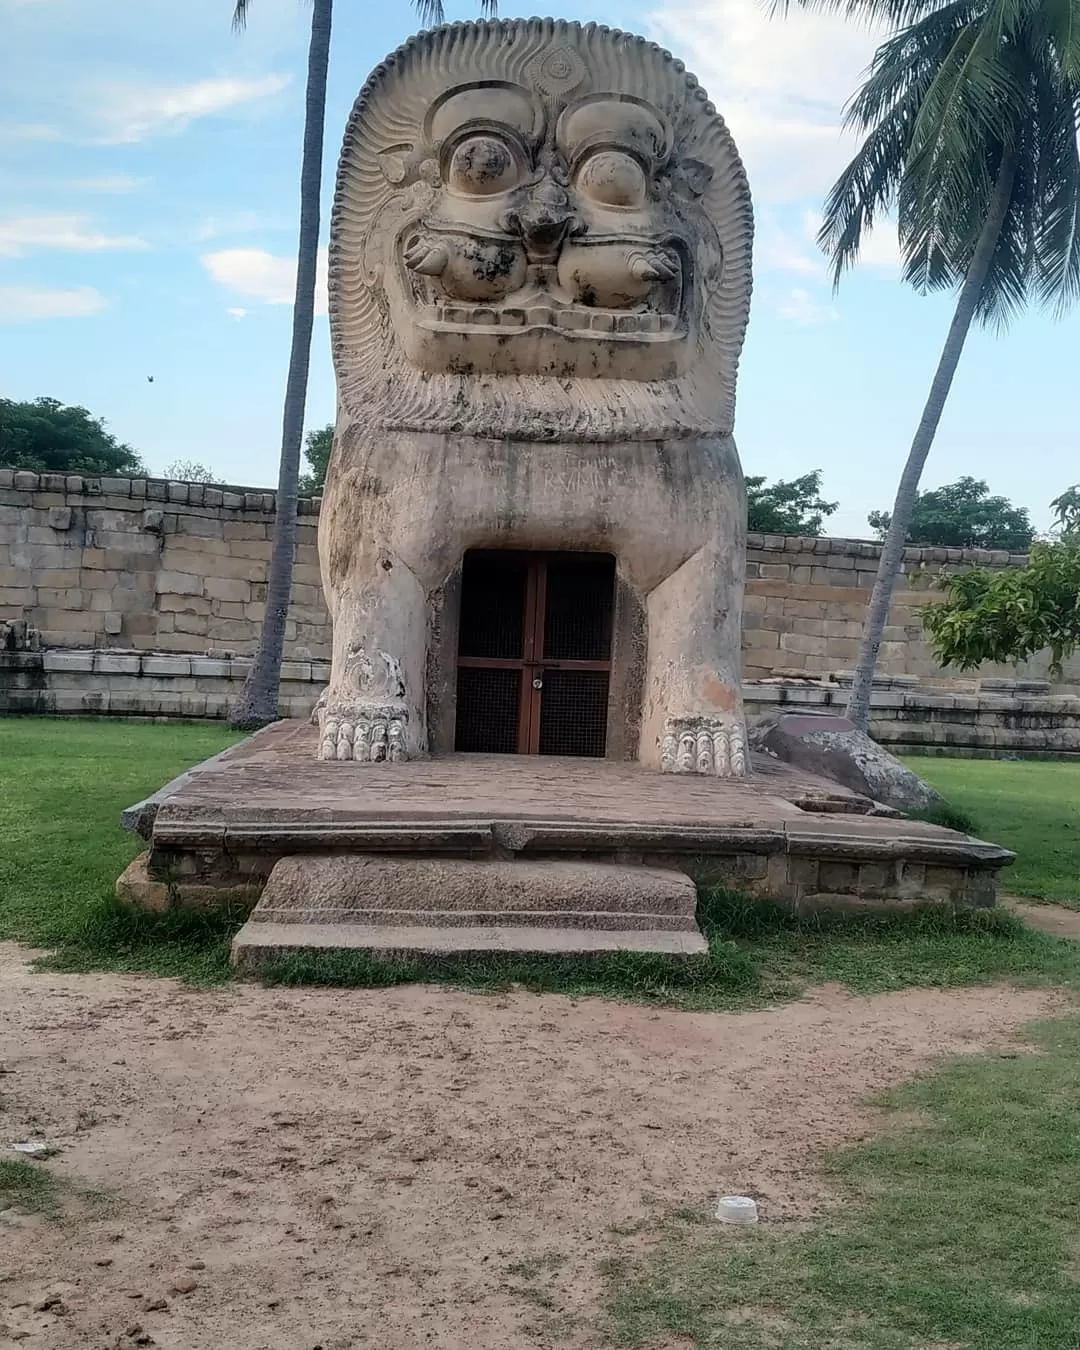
[736,1209]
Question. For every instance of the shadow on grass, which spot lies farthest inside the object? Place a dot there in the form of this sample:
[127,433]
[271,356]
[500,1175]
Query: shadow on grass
[948,816]
[724,976]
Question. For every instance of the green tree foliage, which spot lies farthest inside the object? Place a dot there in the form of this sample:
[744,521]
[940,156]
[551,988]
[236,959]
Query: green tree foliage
[48,437]
[190,471]
[794,507]
[963,515]
[968,119]
[317,449]
[1010,615]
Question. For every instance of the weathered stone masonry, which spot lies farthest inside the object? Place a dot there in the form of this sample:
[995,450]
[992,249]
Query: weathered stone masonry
[145,597]
[146,565]
[806,599]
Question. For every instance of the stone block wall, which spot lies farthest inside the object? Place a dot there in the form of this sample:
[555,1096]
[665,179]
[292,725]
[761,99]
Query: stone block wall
[144,684]
[805,601]
[147,565]
[984,722]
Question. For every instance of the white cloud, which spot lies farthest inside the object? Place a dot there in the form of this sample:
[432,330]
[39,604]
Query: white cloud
[780,248]
[71,234]
[22,303]
[786,242]
[29,131]
[235,222]
[237,313]
[135,114]
[799,306]
[779,83]
[881,248]
[111,182]
[259,275]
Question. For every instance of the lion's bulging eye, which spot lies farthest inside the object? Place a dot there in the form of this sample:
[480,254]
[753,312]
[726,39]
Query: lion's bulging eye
[483,166]
[612,178]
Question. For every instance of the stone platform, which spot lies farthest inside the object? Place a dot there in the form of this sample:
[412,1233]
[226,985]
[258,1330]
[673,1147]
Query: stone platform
[522,853]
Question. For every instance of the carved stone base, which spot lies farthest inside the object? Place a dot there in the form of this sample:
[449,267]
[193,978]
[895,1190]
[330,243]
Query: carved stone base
[778,832]
[367,722]
[705,745]
[362,732]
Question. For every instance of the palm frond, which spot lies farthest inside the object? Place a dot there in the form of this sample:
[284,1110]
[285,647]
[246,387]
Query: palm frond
[1056,193]
[905,63]
[1002,19]
[430,12]
[1007,287]
[240,13]
[887,107]
[974,98]
[891,13]
[866,189]
[912,55]
[1054,26]
[971,108]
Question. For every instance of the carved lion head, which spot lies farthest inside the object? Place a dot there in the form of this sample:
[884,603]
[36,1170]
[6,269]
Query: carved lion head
[540,230]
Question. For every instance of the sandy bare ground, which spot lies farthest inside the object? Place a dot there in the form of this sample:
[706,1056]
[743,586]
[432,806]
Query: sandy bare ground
[409,1168]
[1049,918]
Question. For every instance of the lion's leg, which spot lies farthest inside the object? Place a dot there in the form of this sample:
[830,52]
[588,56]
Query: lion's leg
[693,716]
[373,708]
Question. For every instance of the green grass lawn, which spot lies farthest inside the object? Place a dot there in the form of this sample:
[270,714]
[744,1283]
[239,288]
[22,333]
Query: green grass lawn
[63,783]
[1030,806]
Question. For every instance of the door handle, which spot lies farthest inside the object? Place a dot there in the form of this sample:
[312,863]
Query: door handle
[538,682]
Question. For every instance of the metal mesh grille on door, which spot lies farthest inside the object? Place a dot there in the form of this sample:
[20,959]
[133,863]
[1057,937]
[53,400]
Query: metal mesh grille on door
[534,654]
[573,713]
[577,624]
[488,711]
[493,606]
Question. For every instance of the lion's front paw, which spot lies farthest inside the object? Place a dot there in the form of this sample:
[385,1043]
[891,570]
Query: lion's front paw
[363,717]
[707,745]
[364,734]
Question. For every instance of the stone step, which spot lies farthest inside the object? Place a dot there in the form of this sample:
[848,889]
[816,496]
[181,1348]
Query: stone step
[611,920]
[257,943]
[351,902]
[359,888]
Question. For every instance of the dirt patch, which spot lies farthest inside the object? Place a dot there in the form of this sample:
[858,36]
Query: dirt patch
[409,1167]
[1049,918]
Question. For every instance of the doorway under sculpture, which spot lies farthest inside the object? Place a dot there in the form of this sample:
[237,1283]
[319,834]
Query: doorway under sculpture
[534,654]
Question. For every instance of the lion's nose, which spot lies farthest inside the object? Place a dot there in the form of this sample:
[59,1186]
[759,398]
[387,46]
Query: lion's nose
[544,221]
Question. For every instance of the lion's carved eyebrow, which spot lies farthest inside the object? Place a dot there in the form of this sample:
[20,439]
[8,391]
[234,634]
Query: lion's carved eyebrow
[491,103]
[614,120]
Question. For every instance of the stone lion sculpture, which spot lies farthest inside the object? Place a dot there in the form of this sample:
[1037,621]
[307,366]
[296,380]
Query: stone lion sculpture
[539,287]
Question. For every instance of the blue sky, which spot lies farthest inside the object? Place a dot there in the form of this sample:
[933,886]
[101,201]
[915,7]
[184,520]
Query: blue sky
[148,202]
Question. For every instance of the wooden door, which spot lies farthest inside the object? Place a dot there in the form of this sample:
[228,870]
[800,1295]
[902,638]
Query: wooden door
[534,662]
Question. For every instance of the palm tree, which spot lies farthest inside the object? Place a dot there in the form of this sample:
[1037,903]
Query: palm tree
[969,112]
[257,704]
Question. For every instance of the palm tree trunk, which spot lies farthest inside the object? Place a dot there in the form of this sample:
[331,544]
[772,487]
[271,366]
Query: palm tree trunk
[257,704]
[892,551]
